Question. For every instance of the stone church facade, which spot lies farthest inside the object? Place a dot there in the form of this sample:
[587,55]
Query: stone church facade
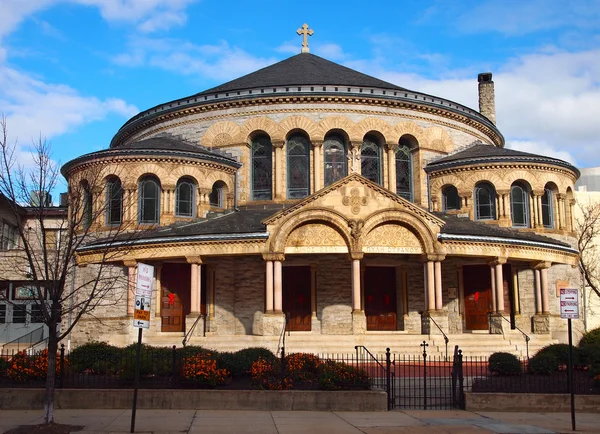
[310,197]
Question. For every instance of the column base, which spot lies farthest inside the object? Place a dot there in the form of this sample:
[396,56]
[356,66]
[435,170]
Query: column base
[273,323]
[315,325]
[359,322]
[498,325]
[198,328]
[540,323]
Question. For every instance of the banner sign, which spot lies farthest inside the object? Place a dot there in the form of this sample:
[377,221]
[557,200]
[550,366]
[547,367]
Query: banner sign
[143,296]
[569,303]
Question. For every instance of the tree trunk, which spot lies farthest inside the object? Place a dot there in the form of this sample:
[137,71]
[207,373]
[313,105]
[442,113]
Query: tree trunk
[50,377]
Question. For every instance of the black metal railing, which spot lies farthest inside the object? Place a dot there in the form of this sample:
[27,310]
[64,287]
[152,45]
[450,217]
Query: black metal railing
[191,330]
[27,340]
[380,371]
[446,340]
[525,335]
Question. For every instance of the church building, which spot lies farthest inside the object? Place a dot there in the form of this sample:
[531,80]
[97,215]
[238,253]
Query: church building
[347,210]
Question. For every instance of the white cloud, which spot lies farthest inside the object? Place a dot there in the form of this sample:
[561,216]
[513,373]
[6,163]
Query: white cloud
[540,148]
[329,51]
[15,11]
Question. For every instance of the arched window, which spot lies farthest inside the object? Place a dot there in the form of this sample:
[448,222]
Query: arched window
[298,166]
[485,201]
[217,195]
[403,172]
[262,168]
[114,201]
[370,160]
[185,198]
[149,203]
[86,218]
[334,154]
[451,200]
[519,205]
[547,211]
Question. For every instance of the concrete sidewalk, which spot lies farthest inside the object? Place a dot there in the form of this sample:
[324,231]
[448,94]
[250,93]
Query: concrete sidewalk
[288,422]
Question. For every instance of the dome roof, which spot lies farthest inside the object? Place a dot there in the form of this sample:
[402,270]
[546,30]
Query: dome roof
[299,70]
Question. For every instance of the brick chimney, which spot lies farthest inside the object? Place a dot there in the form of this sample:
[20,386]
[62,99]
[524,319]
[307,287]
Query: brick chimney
[487,103]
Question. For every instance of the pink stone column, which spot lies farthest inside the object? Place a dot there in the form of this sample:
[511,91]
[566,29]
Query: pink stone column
[356,285]
[438,285]
[269,286]
[430,286]
[494,292]
[538,292]
[277,290]
[425,288]
[499,289]
[544,289]
[195,289]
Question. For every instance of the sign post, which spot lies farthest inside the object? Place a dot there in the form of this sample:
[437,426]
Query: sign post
[141,320]
[569,309]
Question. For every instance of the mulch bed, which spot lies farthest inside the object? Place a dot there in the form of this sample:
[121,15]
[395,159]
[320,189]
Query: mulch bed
[52,428]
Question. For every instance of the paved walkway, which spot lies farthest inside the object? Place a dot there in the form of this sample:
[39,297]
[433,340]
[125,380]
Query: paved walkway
[312,422]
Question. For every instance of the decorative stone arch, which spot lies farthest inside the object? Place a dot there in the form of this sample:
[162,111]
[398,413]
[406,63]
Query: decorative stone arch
[339,123]
[292,124]
[561,182]
[221,134]
[277,241]
[215,176]
[438,184]
[439,140]
[407,219]
[475,177]
[404,127]
[376,125]
[147,168]
[185,172]
[512,176]
[260,124]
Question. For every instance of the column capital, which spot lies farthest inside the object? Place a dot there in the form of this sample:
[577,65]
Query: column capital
[561,196]
[538,192]
[503,191]
[499,260]
[465,193]
[356,256]
[274,256]
[130,263]
[316,143]
[168,187]
[278,143]
[433,257]
[392,146]
[541,265]
[193,259]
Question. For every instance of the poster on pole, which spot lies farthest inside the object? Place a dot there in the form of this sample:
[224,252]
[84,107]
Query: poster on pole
[143,296]
[569,303]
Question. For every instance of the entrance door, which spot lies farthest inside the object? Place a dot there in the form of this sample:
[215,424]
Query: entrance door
[380,298]
[477,281]
[175,296]
[296,297]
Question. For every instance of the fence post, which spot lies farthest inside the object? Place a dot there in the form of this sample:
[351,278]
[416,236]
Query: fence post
[388,370]
[424,345]
[174,364]
[283,368]
[62,366]
[461,389]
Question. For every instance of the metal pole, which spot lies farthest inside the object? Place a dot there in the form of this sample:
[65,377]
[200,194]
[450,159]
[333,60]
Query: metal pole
[388,368]
[137,380]
[570,375]
[424,345]
[62,366]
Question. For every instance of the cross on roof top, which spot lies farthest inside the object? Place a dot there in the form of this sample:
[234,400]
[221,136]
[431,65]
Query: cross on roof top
[305,32]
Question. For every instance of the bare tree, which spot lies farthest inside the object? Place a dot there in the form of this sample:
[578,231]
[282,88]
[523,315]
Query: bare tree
[47,254]
[588,243]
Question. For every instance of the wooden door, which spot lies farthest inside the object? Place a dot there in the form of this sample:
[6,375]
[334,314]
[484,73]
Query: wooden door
[380,298]
[297,297]
[175,296]
[477,281]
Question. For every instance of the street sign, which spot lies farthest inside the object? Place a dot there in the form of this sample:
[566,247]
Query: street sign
[143,296]
[569,303]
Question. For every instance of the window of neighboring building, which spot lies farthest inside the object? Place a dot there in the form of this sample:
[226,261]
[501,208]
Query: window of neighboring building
[370,160]
[37,316]
[334,156]
[485,201]
[114,202]
[547,211]
[403,172]
[519,205]
[185,198]
[217,195]
[19,313]
[87,206]
[149,200]
[451,200]
[298,166]
[262,177]
[2,314]
[10,236]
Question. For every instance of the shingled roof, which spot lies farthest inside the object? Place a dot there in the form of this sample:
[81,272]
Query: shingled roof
[481,153]
[299,70]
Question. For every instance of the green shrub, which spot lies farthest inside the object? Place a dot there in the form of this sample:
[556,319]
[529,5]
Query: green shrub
[4,364]
[543,364]
[193,350]
[154,361]
[589,355]
[504,364]
[95,358]
[247,356]
[590,339]
[561,353]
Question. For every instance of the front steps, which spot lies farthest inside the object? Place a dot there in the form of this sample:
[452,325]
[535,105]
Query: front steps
[400,343]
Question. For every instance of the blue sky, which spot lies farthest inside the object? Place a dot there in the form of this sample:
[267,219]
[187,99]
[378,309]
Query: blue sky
[74,71]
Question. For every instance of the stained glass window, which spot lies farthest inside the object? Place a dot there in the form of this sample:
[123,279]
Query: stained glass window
[370,160]
[185,198]
[485,202]
[149,207]
[451,199]
[547,214]
[298,166]
[334,155]
[403,172]
[114,201]
[519,206]
[262,168]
